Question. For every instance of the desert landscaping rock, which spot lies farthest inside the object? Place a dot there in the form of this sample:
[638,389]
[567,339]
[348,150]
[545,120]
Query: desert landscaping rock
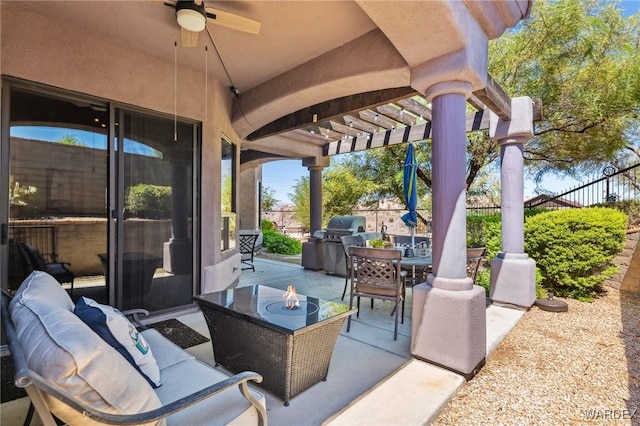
[570,368]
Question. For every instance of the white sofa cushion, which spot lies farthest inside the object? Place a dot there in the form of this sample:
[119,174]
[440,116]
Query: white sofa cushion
[167,353]
[66,352]
[182,375]
[115,329]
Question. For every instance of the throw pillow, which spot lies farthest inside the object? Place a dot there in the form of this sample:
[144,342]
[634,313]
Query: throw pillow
[115,329]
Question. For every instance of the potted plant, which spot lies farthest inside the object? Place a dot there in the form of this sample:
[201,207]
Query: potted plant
[378,243]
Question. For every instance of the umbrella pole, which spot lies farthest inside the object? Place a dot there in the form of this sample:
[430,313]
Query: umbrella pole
[413,238]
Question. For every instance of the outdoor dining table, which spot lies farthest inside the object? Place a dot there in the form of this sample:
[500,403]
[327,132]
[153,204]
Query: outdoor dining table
[417,263]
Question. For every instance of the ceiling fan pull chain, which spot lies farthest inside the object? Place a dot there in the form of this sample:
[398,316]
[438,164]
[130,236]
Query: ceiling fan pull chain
[206,82]
[175,91]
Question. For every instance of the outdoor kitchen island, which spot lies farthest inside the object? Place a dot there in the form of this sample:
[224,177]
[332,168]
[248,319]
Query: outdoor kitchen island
[265,330]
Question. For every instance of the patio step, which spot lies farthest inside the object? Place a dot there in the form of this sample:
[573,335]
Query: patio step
[413,395]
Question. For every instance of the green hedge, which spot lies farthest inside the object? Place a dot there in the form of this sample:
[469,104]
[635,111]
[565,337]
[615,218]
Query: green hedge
[267,225]
[486,231]
[629,207]
[149,201]
[276,242]
[573,249]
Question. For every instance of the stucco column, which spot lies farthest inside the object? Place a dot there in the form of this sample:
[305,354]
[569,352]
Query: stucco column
[513,273]
[448,316]
[248,198]
[177,252]
[315,166]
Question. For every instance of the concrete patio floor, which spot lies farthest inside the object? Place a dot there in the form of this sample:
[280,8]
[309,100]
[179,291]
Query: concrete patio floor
[370,373]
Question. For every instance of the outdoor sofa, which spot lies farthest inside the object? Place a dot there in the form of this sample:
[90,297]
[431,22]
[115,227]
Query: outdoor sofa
[69,370]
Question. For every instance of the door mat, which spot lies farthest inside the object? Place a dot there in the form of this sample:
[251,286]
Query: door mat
[179,333]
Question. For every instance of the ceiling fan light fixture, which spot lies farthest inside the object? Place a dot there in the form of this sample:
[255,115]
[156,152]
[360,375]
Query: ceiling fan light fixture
[191,17]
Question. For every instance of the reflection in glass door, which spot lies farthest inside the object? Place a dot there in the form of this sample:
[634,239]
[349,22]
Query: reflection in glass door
[58,179]
[153,228]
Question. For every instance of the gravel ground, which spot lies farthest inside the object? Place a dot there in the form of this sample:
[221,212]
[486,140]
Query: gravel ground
[572,368]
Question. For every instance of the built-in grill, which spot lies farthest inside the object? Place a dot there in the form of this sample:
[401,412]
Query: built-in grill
[334,261]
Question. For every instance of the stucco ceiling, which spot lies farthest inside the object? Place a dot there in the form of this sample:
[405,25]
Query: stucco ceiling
[292,32]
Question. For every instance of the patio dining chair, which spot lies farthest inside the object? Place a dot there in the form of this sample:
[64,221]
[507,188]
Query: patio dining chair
[376,274]
[247,245]
[350,241]
[474,257]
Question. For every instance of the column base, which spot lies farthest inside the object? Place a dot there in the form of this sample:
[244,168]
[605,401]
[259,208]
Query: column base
[449,328]
[177,256]
[513,280]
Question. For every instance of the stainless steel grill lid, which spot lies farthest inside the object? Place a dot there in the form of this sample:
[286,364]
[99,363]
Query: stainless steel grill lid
[334,261]
[339,226]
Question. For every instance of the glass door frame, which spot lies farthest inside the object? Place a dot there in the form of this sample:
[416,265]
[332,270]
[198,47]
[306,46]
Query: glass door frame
[5,91]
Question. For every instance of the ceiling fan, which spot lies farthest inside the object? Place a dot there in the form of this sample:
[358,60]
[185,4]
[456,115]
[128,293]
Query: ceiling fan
[193,15]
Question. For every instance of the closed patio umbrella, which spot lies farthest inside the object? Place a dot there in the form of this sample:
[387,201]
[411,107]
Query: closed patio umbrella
[410,192]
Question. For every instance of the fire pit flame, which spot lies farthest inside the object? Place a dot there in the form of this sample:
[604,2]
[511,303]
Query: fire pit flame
[290,298]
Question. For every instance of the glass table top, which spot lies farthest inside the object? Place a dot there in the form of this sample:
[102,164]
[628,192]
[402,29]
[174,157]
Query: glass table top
[267,306]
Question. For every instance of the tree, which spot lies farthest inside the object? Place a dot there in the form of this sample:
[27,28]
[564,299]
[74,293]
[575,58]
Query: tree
[581,57]
[268,201]
[71,140]
[342,190]
[300,197]
[227,190]
[19,194]
[384,167]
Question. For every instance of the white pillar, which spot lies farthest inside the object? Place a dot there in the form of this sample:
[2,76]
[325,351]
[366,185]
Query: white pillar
[513,273]
[512,188]
[448,315]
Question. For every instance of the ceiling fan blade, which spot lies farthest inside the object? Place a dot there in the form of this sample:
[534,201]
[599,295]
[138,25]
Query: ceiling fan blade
[188,38]
[233,21]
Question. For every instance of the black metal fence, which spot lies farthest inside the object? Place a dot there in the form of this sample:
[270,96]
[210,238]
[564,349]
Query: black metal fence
[614,186]
[482,209]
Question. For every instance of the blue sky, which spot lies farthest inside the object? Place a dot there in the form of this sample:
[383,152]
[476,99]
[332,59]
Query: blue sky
[89,139]
[281,176]
[630,7]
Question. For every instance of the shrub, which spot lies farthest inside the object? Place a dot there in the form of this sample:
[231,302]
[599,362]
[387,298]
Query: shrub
[149,201]
[275,242]
[574,248]
[267,225]
[485,231]
[475,231]
[629,207]
[483,279]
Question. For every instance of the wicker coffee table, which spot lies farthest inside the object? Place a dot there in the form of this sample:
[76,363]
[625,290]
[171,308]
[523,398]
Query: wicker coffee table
[251,329]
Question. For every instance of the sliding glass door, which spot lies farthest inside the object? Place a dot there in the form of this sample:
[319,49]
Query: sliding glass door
[108,190]
[153,231]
